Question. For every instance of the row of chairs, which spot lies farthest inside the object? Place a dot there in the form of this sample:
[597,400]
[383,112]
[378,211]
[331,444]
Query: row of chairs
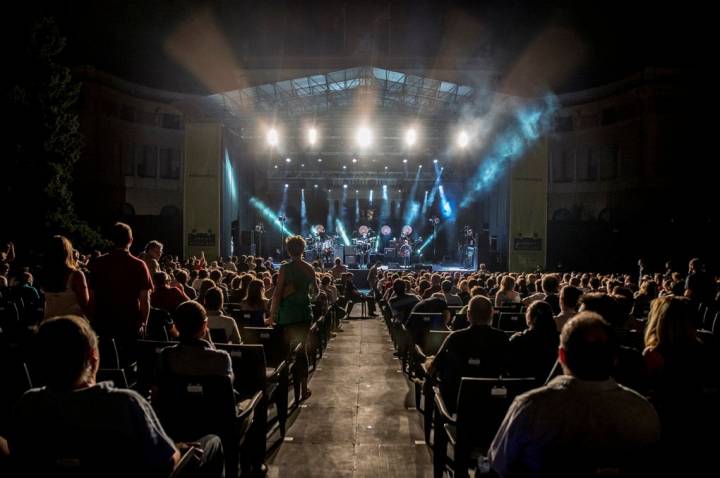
[238,412]
[481,402]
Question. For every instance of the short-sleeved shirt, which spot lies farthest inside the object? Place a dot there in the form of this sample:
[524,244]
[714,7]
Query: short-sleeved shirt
[571,427]
[168,298]
[194,357]
[477,351]
[216,320]
[118,278]
[402,305]
[102,428]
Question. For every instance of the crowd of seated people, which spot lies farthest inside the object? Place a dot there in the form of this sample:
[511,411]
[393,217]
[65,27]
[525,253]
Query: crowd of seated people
[662,328]
[661,368]
[116,298]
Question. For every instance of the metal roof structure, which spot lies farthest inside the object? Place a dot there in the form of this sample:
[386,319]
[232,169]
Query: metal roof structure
[395,91]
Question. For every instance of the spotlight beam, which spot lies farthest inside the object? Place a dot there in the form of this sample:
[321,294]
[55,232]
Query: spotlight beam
[269,215]
[339,227]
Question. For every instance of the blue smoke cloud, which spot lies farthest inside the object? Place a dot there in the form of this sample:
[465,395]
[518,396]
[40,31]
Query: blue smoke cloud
[526,124]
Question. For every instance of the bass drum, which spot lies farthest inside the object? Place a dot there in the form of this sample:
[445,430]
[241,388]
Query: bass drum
[405,250]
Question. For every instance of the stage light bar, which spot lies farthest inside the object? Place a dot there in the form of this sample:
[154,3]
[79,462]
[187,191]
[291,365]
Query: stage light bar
[272,137]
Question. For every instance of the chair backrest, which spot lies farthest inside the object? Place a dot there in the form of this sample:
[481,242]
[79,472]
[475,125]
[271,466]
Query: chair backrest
[511,308]
[109,356]
[248,363]
[147,352]
[218,336]
[155,329]
[482,404]
[514,321]
[455,309]
[114,375]
[420,324]
[269,339]
[191,407]
[250,318]
[435,339]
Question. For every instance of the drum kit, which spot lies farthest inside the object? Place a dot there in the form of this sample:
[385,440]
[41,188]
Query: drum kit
[320,245]
[364,241]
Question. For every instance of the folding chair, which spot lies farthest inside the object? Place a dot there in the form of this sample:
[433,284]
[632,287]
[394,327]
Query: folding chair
[511,321]
[192,407]
[481,407]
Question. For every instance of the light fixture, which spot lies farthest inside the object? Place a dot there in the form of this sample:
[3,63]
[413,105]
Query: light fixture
[288,160]
[410,137]
[364,137]
[312,136]
[463,139]
[272,137]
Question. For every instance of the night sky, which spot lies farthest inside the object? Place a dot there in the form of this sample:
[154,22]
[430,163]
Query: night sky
[598,41]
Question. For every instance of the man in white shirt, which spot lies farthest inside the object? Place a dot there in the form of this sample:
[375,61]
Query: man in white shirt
[582,423]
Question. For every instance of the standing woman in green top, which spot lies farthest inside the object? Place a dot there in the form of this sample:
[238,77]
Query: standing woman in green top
[291,310]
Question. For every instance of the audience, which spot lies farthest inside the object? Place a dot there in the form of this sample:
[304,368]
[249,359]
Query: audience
[194,355]
[601,351]
[216,318]
[477,351]
[569,298]
[165,296]
[75,426]
[120,291]
[534,350]
[582,423]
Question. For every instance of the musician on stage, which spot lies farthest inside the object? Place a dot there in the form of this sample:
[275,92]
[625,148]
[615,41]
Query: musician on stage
[406,252]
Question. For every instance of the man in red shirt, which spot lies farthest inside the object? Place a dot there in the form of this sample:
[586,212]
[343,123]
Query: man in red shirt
[166,296]
[120,290]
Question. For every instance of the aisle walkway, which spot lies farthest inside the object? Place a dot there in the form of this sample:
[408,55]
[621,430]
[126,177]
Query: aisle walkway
[357,423]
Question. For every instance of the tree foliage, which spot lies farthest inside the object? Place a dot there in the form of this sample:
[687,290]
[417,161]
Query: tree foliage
[45,145]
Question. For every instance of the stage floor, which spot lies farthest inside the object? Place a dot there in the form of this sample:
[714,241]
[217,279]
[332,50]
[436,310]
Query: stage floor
[435,268]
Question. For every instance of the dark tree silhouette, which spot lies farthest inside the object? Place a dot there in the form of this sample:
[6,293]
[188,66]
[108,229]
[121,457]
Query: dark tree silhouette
[44,144]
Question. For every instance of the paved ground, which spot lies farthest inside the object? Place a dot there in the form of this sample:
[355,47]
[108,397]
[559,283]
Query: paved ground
[357,423]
